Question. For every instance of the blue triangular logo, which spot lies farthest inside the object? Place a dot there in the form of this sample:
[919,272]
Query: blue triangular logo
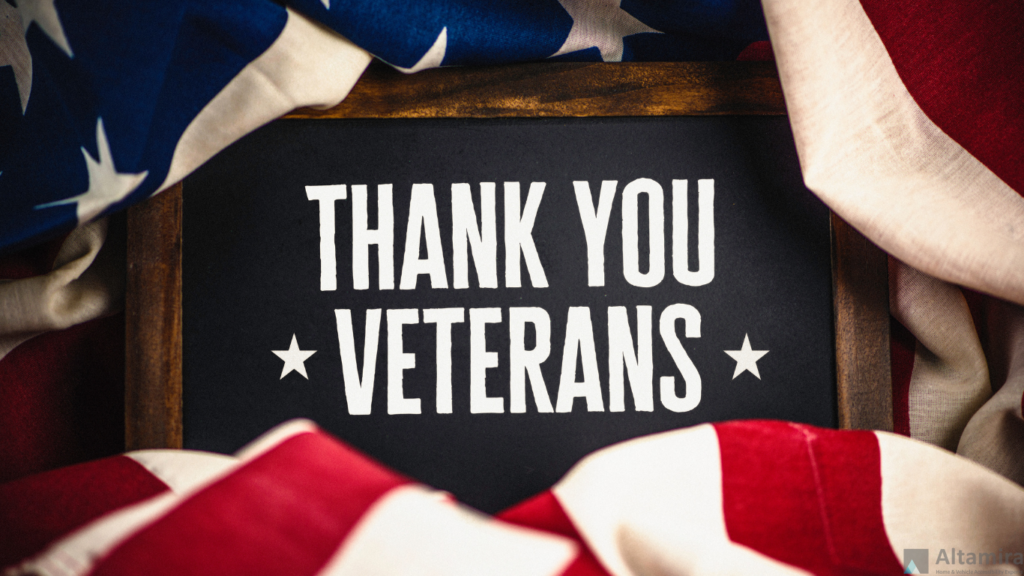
[911,568]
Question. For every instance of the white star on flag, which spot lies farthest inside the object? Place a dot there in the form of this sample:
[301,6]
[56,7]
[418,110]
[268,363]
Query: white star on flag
[746,358]
[44,13]
[14,51]
[433,57]
[600,24]
[294,359]
[106,184]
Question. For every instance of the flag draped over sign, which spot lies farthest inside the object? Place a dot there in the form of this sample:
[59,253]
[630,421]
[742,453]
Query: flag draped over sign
[102,106]
[98,101]
[750,497]
[906,127]
[908,122]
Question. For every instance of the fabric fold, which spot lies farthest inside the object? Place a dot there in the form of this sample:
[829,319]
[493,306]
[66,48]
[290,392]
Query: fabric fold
[87,282]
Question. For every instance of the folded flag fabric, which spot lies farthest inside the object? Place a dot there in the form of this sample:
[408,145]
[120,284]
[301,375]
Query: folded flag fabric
[956,367]
[36,510]
[62,352]
[104,104]
[756,497]
[908,124]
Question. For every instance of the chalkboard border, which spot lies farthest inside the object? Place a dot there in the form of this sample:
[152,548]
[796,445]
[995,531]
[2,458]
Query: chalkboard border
[153,377]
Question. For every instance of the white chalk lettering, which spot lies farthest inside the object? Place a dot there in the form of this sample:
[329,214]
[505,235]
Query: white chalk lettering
[595,225]
[423,217]
[523,362]
[363,237]
[482,240]
[519,235]
[400,360]
[656,233]
[705,271]
[480,360]
[325,197]
[622,357]
[358,390]
[691,377]
[444,318]
[579,339]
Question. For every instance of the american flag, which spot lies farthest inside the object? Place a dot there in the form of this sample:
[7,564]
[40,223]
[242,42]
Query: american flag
[104,105]
[754,497]
[908,122]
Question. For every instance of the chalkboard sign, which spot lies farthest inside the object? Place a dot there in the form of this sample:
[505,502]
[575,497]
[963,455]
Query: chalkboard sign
[478,303]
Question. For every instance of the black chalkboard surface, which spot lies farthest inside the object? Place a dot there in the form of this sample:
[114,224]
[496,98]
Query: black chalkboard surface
[480,303]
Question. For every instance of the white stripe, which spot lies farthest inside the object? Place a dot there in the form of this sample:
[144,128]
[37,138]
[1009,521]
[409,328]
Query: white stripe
[184,470]
[413,531]
[275,436]
[654,505]
[307,65]
[76,554]
[933,499]
[82,286]
[872,155]
[950,380]
[995,434]
[433,57]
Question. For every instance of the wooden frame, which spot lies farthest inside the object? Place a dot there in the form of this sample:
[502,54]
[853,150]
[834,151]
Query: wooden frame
[859,269]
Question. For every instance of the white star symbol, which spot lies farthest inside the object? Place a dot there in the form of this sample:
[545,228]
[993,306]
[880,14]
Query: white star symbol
[600,23]
[433,57]
[746,359]
[106,184]
[14,50]
[294,359]
[44,13]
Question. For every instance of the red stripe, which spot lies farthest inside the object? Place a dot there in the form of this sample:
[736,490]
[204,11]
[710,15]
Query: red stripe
[544,512]
[286,512]
[34,261]
[806,496]
[963,62]
[902,345]
[760,51]
[62,398]
[36,510]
